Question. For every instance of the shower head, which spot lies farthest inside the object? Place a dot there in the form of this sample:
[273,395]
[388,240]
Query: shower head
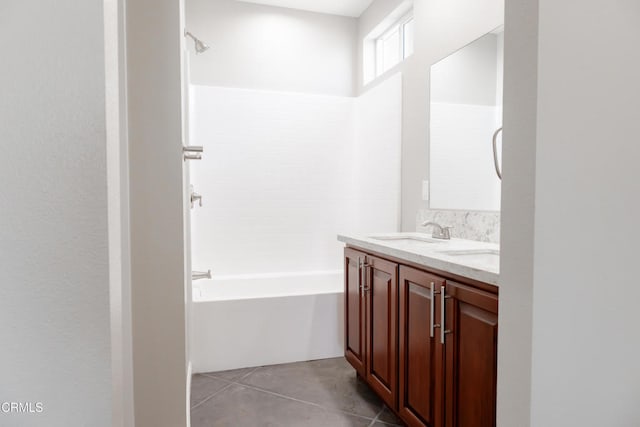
[199,44]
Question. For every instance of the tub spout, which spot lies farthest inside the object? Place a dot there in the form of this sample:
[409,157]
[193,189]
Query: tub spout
[197,275]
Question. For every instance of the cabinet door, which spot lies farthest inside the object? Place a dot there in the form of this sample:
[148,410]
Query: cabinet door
[354,310]
[381,287]
[421,353]
[471,319]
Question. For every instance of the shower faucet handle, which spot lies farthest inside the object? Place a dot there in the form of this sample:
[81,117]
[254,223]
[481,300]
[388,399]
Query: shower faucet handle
[195,197]
[193,149]
[192,152]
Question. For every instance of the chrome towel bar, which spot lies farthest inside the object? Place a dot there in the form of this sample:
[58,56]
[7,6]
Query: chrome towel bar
[495,153]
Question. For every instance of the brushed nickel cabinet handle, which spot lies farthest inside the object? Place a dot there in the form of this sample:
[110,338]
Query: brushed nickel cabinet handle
[365,288]
[432,314]
[443,331]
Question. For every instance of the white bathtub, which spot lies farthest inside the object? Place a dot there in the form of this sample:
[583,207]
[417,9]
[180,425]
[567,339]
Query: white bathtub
[254,320]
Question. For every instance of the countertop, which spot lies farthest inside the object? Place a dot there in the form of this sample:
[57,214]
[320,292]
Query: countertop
[466,258]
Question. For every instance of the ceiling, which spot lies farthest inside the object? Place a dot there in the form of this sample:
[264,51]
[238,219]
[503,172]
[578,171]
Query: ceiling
[353,8]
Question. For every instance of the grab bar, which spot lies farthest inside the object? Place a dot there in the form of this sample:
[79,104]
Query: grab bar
[197,275]
[495,153]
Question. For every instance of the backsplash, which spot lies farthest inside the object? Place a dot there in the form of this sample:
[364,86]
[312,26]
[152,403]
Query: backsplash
[470,225]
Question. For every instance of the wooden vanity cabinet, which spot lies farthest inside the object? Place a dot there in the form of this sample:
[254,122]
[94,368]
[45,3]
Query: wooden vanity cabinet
[420,402]
[393,338]
[371,321]
[471,356]
[381,300]
[354,310]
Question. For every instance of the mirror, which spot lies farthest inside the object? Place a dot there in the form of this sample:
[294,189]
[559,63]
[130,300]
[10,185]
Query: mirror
[466,112]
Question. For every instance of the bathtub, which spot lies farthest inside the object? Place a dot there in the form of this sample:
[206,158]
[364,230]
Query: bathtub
[254,320]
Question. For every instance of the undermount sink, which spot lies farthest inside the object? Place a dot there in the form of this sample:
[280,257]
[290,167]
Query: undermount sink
[486,257]
[406,238]
[471,252]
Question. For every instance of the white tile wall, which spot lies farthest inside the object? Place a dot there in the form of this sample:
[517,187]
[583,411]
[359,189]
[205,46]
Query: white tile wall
[283,173]
[462,170]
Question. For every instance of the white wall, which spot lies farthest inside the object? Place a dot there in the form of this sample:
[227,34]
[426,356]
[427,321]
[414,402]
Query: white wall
[263,47]
[377,158]
[578,251]
[284,173]
[154,37]
[54,272]
[588,100]
[441,28]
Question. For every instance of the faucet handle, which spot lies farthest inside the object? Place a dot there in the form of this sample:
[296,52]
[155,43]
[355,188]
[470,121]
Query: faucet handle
[439,232]
[195,197]
[442,233]
[446,232]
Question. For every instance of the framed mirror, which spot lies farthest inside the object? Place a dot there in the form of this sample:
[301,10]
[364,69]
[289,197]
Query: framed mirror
[466,113]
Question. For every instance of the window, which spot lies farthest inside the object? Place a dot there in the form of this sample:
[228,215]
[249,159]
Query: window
[394,45]
[390,42]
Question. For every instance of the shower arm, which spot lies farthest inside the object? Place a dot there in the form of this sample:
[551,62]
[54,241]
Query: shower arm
[199,44]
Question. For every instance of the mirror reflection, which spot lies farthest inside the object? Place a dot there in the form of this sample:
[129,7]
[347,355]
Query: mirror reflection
[466,114]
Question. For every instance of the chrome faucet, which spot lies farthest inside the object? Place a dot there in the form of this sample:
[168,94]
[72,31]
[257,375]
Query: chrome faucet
[439,232]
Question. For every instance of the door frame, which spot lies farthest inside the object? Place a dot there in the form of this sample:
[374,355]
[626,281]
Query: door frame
[117,149]
[146,218]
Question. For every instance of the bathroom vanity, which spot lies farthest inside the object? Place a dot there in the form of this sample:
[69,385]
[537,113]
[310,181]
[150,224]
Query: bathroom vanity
[421,313]
[421,325]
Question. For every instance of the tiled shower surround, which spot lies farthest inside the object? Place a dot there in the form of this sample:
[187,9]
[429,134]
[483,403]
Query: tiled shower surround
[471,225]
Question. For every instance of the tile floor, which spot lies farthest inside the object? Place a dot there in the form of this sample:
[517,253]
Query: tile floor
[321,393]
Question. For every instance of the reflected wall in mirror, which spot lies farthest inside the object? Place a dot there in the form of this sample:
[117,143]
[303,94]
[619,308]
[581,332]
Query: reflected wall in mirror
[466,111]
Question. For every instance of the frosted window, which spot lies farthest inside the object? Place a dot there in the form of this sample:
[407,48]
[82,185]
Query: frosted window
[390,50]
[394,45]
[407,30]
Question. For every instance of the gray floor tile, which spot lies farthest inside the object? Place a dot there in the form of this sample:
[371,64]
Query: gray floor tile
[331,383]
[233,375]
[203,387]
[239,406]
[389,417]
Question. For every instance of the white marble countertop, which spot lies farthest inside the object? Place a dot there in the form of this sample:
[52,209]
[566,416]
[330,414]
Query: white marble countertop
[467,258]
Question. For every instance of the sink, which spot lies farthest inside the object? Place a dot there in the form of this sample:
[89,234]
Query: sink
[471,252]
[486,257]
[406,238]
